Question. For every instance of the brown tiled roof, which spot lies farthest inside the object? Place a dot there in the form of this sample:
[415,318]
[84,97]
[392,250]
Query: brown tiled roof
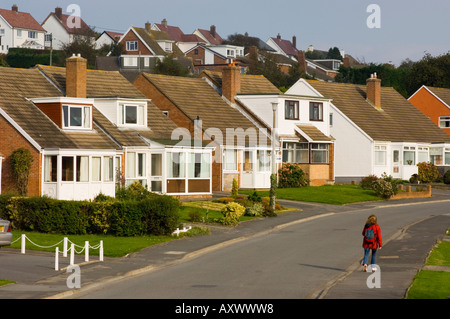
[16,87]
[250,84]
[103,84]
[151,38]
[442,93]
[397,121]
[215,40]
[286,46]
[21,20]
[195,98]
[314,133]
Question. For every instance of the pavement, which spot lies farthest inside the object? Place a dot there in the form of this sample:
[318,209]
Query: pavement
[401,259]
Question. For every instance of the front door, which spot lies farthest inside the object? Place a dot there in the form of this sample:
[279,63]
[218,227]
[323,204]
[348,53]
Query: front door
[247,169]
[396,163]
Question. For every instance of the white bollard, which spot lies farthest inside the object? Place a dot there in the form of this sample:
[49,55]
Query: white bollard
[65,247]
[57,259]
[72,254]
[101,250]
[22,249]
[86,251]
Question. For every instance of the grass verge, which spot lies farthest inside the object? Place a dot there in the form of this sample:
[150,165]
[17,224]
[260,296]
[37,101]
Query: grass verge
[327,194]
[4,282]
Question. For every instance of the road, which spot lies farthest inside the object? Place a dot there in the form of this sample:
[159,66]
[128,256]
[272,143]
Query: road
[293,262]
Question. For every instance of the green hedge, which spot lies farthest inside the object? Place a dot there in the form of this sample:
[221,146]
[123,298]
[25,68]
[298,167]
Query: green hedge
[157,215]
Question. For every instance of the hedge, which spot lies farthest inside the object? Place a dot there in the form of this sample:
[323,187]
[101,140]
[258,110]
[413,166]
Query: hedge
[157,215]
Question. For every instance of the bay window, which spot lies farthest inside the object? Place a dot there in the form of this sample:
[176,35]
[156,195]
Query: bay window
[380,155]
[82,169]
[409,155]
[264,160]
[50,169]
[319,153]
[231,162]
[176,165]
[199,166]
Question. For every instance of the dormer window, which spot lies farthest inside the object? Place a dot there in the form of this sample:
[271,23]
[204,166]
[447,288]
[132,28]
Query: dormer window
[132,114]
[77,117]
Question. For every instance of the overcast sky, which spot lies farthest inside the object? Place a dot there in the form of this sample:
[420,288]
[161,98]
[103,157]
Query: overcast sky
[408,28]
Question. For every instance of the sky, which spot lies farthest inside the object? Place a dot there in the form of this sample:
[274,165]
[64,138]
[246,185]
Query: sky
[398,29]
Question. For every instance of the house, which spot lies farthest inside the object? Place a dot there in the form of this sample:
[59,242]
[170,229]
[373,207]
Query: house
[435,103]
[302,123]
[151,152]
[242,144]
[63,29]
[184,41]
[284,47]
[214,57]
[376,130]
[19,30]
[107,38]
[211,37]
[320,69]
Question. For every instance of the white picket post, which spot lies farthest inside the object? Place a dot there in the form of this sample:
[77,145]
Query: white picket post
[72,254]
[65,247]
[22,249]
[86,251]
[101,250]
[57,259]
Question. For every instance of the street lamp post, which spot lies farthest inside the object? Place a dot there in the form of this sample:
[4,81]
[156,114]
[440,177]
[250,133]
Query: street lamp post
[274,175]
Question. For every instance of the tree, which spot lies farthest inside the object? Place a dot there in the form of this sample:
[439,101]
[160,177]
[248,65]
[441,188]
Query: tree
[21,161]
[170,66]
[334,53]
[84,46]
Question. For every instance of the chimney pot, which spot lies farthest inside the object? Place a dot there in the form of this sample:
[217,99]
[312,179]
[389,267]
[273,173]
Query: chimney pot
[58,12]
[15,8]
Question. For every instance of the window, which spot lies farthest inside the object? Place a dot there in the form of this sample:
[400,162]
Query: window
[264,160]
[132,114]
[19,33]
[130,61]
[2,32]
[76,116]
[48,37]
[291,110]
[248,161]
[67,168]
[380,155]
[447,156]
[409,155]
[319,153]
[108,169]
[199,166]
[136,165]
[315,111]
[231,160]
[423,155]
[436,155]
[176,165]
[50,169]
[82,169]
[96,169]
[295,152]
[444,122]
[32,34]
[132,45]
[331,119]
[141,165]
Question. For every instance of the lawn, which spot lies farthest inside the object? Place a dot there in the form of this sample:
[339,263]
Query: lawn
[327,194]
[430,284]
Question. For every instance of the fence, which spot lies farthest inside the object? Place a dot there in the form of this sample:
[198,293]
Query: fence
[178,231]
[65,250]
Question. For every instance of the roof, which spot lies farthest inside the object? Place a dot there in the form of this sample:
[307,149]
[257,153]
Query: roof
[177,35]
[286,46]
[22,20]
[441,93]
[250,84]
[151,38]
[397,121]
[84,29]
[195,98]
[113,35]
[212,39]
[314,133]
[111,84]
[17,86]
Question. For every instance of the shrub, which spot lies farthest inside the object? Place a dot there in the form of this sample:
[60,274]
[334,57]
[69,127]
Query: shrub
[254,197]
[383,188]
[257,209]
[224,200]
[393,181]
[231,214]
[234,188]
[366,182]
[21,161]
[291,175]
[447,177]
[428,172]
[414,179]
[195,215]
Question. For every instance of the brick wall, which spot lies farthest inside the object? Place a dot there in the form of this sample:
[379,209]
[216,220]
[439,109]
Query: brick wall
[12,140]
[142,49]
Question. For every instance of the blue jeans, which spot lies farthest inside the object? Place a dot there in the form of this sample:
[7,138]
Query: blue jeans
[366,256]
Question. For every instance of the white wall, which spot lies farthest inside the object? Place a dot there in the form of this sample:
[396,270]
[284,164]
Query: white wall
[60,35]
[7,37]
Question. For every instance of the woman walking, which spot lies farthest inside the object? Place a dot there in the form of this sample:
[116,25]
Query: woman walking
[372,241]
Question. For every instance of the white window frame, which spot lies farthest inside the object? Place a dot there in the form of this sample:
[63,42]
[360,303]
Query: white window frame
[86,117]
[141,114]
[32,34]
[444,121]
[132,46]
[380,155]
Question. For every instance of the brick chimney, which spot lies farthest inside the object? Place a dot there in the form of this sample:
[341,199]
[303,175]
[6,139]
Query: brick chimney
[212,30]
[302,65]
[164,22]
[294,42]
[373,90]
[76,77]
[15,8]
[148,27]
[58,12]
[231,82]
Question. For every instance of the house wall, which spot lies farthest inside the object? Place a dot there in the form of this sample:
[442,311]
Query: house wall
[18,41]
[7,37]
[142,48]
[10,141]
[429,105]
[60,35]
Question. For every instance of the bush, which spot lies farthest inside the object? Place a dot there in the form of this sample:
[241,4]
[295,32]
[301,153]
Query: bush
[195,215]
[235,188]
[291,175]
[428,172]
[224,200]
[231,214]
[254,197]
[447,177]
[414,179]
[256,210]
[366,182]
[383,188]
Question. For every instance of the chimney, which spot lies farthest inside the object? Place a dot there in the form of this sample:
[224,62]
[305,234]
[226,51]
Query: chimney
[76,77]
[231,82]
[212,30]
[164,22]
[58,12]
[373,91]
[294,42]
[148,27]
[279,36]
[15,8]
[302,65]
